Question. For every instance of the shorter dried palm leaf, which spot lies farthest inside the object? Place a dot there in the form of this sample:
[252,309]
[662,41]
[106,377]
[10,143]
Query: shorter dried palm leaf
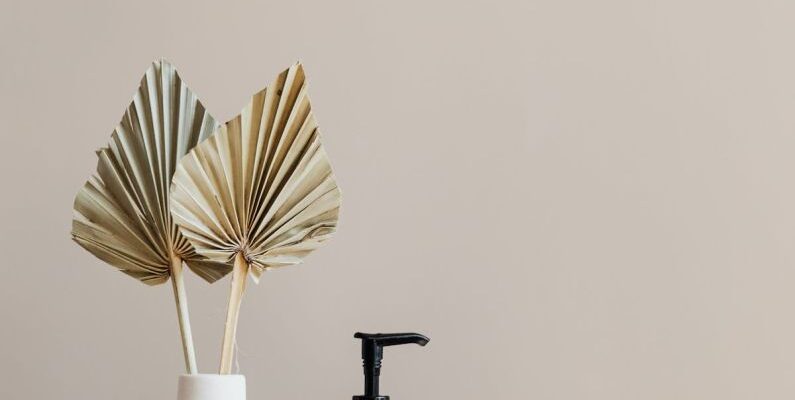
[260,192]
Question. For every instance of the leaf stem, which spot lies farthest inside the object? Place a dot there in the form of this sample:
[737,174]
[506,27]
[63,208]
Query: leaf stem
[181,299]
[239,277]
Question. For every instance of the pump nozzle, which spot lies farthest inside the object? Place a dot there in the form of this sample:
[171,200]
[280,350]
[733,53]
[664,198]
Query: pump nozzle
[372,354]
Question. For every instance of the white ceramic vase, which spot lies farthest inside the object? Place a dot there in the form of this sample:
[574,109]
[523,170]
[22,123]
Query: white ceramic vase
[211,387]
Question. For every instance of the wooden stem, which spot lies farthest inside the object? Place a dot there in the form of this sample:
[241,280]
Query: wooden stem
[181,298]
[239,277]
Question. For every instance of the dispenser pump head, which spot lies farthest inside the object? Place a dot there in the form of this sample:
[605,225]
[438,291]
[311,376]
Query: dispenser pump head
[372,354]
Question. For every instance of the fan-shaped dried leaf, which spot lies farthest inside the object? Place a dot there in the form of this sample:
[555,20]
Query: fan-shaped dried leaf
[122,215]
[262,185]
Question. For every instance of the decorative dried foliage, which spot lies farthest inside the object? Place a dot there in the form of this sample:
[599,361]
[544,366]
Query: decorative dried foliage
[261,186]
[122,215]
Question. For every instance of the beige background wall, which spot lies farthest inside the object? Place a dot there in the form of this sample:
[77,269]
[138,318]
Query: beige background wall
[573,199]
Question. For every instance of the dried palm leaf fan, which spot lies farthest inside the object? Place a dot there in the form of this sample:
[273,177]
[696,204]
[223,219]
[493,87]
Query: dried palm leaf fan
[121,215]
[258,193]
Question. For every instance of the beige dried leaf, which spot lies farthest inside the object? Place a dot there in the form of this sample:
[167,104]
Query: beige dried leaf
[262,185]
[121,215]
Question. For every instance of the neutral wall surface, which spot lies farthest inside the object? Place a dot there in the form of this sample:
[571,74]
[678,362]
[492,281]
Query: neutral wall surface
[573,199]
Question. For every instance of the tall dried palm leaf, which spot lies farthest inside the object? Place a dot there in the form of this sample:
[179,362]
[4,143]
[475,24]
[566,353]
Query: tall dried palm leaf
[260,192]
[121,215]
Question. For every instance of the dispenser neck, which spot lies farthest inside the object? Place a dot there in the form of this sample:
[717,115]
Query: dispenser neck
[372,355]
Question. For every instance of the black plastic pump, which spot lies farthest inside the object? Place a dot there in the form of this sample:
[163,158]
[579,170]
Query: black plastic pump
[372,354]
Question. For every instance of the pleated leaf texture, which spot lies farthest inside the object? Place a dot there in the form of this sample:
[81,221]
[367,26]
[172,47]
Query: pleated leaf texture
[121,215]
[262,185]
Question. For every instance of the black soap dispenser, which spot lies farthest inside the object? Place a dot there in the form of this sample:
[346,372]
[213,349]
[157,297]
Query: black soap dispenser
[372,354]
